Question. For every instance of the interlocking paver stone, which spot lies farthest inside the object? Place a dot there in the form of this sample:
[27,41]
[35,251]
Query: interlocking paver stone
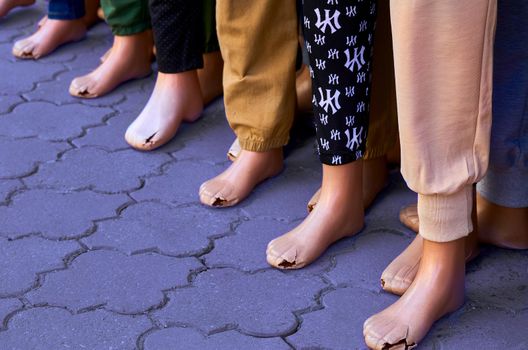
[27,74]
[7,187]
[154,226]
[251,236]
[499,280]
[339,325]
[260,304]
[7,102]
[487,328]
[22,259]
[54,328]
[179,184]
[99,170]
[110,136]
[284,197]
[369,253]
[56,214]
[121,283]
[50,122]
[92,232]
[8,306]
[20,157]
[187,338]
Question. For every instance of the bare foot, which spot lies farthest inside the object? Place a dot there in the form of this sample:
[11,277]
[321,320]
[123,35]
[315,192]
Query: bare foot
[375,177]
[237,181]
[437,290]
[234,150]
[100,14]
[303,87]
[501,226]
[129,59]
[401,272]
[338,214]
[8,5]
[52,34]
[409,217]
[176,98]
[210,76]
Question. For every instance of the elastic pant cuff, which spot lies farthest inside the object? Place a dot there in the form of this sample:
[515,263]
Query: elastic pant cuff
[131,30]
[445,218]
[253,145]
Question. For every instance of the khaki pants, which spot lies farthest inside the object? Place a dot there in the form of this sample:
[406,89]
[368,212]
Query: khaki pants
[443,66]
[383,128]
[258,41]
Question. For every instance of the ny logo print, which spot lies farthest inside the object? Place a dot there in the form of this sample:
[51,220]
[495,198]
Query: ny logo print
[336,160]
[330,21]
[325,144]
[320,64]
[351,40]
[323,118]
[350,120]
[335,134]
[333,79]
[319,39]
[351,11]
[350,91]
[353,142]
[357,61]
[333,54]
[331,101]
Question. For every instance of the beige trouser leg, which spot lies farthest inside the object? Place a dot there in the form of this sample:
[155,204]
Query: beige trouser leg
[443,67]
[258,40]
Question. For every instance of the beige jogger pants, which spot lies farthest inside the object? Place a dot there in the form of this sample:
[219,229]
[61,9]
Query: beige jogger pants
[443,65]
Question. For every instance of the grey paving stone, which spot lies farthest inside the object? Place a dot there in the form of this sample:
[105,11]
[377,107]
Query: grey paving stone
[7,103]
[99,170]
[482,328]
[7,187]
[54,328]
[154,226]
[339,325]
[246,250]
[207,139]
[50,122]
[27,73]
[55,214]
[367,256]
[187,338]
[22,17]
[120,283]
[283,197]
[258,304]
[21,157]
[179,184]
[8,306]
[22,259]
[110,136]
[499,278]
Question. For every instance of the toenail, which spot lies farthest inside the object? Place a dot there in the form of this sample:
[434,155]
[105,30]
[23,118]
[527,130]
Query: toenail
[149,139]
[219,202]
[286,263]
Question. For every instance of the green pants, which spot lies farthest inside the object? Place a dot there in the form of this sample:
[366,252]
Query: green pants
[126,17]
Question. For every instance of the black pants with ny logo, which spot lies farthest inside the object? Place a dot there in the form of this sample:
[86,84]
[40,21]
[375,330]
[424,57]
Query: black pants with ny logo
[339,38]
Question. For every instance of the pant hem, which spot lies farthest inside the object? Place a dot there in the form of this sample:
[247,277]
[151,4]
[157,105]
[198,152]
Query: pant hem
[131,30]
[445,218]
[260,145]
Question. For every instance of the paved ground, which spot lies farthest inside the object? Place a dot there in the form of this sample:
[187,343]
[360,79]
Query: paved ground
[103,247]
